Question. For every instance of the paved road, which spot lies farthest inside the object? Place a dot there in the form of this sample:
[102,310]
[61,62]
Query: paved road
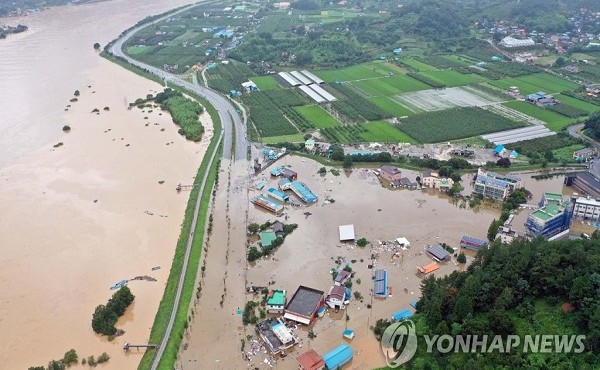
[575,132]
[232,125]
[230,119]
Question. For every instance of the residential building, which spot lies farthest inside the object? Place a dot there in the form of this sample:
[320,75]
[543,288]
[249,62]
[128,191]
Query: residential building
[587,209]
[404,182]
[390,173]
[514,182]
[277,228]
[309,145]
[336,297]
[342,277]
[432,179]
[585,183]
[583,155]
[276,301]
[552,218]
[310,360]
[506,234]
[338,357]
[276,335]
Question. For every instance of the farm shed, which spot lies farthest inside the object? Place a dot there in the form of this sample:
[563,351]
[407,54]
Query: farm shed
[438,253]
[338,357]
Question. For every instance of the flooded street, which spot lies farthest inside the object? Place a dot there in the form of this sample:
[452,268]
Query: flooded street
[101,207]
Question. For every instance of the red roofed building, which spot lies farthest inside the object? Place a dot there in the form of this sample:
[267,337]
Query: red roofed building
[310,360]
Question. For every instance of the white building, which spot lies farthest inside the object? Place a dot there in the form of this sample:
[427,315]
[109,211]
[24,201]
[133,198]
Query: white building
[336,297]
[511,42]
[587,209]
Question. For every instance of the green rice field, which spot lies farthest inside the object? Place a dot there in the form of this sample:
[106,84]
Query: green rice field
[452,78]
[318,116]
[549,83]
[580,104]
[406,83]
[554,121]
[524,87]
[357,72]
[383,131]
[265,83]
[418,65]
[391,107]
[295,138]
[376,87]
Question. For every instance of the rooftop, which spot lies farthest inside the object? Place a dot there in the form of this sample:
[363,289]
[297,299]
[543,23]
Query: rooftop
[305,301]
[548,211]
[311,360]
[346,232]
[589,202]
[490,181]
[276,297]
[338,356]
[267,238]
[553,197]
[391,170]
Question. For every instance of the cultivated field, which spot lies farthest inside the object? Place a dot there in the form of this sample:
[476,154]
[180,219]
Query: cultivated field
[549,83]
[382,131]
[357,72]
[579,104]
[513,114]
[391,107]
[376,87]
[524,87]
[418,65]
[317,116]
[554,121]
[265,82]
[455,123]
[453,78]
[432,100]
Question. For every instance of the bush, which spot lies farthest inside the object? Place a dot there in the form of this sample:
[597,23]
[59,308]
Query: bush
[105,317]
[362,242]
[358,296]
[91,361]
[461,258]
[322,171]
[253,254]
[66,128]
[70,358]
[104,357]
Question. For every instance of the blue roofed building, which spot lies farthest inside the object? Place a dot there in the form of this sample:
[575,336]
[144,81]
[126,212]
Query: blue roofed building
[223,34]
[338,357]
[402,315]
[380,279]
[499,149]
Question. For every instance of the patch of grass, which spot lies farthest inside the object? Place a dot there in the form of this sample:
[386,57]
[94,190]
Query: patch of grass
[318,116]
[353,73]
[524,87]
[391,107]
[376,87]
[382,131]
[452,78]
[455,123]
[566,153]
[579,104]
[418,65]
[265,83]
[555,121]
[549,83]
[406,83]
[296,138]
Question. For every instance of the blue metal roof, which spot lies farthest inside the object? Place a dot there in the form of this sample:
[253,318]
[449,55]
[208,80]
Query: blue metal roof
[337,357]
[304,192]
[278,193]
[498,148]
[380,283]
[402,315]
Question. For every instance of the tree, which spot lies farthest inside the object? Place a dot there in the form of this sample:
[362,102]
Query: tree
[56,365]
[337,153]
[97,46]
[347,161]
[76,93]
[596,235]
[418,179]
[104,357]
[253,228]
[461,258]
[560,62]
[503,162]
[362,242]
[322,171]
[70,357]
[493,230]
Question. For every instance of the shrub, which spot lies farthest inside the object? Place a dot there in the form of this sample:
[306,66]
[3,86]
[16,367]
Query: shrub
[104,357]
[362,242]
[66,128]
[461,258]
[70,357]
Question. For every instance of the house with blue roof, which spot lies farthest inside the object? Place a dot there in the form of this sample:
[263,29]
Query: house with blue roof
[499,149]
[338,357]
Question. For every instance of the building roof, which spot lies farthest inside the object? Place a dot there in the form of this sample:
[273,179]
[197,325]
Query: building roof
[499,148]
[430,173]
[391,170]
[338,291]
[276,297]
[311,360]
[342,276]
[278,193]
[473,241]
[402,315]
[586,201]
[346,232]
[380,283]
[429,268]
[553,197]
[307,195]
[403,241]
[277,227]
[310,142]
[267,238]
[438,252]
[585,151]
[548,211]
[490,181]
[337,357]
[305,301]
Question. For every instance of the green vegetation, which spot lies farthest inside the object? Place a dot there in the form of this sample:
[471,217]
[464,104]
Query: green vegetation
[362,242]
[357,72]
[426,80]
[555,121]
[266,115]
[568,111]
[592,126]
[549,83]
[391,107]
[543,144]
[382,131]
[418,65]
[455,123]
[266,83]
[294,138]
[266,250]
[249,315]
[452,78]
[105,317]
[317,116]
[577,103]
[227,77]
[354,107]
[515,290]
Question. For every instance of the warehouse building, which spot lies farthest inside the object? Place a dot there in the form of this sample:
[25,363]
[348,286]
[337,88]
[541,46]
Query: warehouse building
[304,305]
[310,360]
[585,183]
[438,253]
[380,279]
[473,244]
[511,42]
[338,357]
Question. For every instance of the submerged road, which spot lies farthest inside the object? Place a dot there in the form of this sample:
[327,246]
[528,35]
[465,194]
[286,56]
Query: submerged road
[234,131]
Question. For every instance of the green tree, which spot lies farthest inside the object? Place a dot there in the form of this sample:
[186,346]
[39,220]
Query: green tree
[97,46]
[461,258]
[253,228]
[347,162]
[493,230]
[560,62]
[337,153]
[322,171]
[362,242]
[56,365]
[70,358]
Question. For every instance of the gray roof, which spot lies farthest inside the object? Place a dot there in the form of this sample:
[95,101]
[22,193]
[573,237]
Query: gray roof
[438,252]
[305,301]
[342,276]
[390,170]
[490,181]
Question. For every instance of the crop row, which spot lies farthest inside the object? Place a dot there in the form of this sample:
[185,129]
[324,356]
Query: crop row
[426,80]
[344,134]
[567,110]
[455,123]
[227,77]
[354,106]
[543,144]
[266,116]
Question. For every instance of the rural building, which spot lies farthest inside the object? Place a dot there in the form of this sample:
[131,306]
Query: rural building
[514,182]
[583,155]
[288,173]
[313,77]
[511,42]
[338,357]
[277,195]
[390,173]
[380,279]
[506,234]
[226,34]
[403,242]
[310,360]
[300,189]
[402,315]
[309,145]
[336,297]
[267,238]
[585,183]
[587,209]
[404,182]
[489,187]
[346,233]
[552,218]
[542,99]
[276,335]
[304,305]
[276,301]
[499,150]
[438,253]
[267,204]
[473,244]
[424,270]
[342,277]
[277,228]
[250,86]
[432,179]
